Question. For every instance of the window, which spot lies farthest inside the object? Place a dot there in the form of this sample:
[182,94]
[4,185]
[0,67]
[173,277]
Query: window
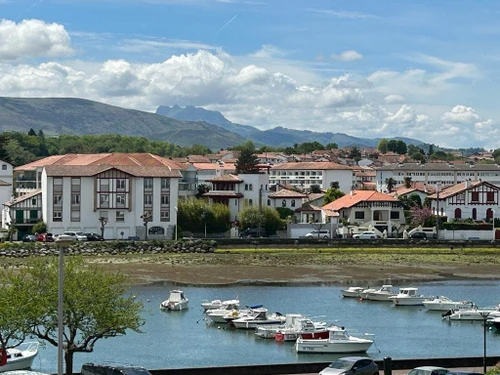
[165,199]
[165,183]
[120,184]
[359,215]
[474,214]
[156,230]
[57,199]
[148,183]
[283,203]
[293,203]
[250,202]
[104,200]
[475,196]
[33,201]
[120,216]
[148,199]
[246,186]
[458,213]
[250,187]
[394,215]
[268,202]
[489,213]
[164,215]
[57,216]
[104,184]
[4,167]
[120,200]
[490,196]
[75,198]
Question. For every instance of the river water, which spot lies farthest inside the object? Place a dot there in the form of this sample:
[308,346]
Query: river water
[185,339]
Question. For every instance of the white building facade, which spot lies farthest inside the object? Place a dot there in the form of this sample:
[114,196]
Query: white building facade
[6,187]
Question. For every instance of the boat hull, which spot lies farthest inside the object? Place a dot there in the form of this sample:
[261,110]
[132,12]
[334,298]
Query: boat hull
[380,297]
[328,346]
[398,301]
[174,306]
[20,359]
[249,324]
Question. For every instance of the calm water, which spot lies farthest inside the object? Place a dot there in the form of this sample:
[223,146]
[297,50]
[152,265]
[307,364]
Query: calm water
[185,339]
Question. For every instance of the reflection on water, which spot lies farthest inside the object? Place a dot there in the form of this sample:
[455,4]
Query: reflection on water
[180,339]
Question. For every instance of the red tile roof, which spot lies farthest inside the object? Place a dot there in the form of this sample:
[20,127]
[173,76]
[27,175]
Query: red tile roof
[356,197]
[459,188]
[285,193]
[21,198]
[226,178]
[92,170]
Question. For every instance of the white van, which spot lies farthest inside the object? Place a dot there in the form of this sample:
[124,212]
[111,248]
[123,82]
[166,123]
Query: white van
[322,233]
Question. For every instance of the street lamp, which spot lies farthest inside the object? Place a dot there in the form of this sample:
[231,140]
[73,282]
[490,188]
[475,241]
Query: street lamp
[62,242]
[484,315]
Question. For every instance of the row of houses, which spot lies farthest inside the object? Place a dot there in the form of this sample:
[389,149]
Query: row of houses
[81,191]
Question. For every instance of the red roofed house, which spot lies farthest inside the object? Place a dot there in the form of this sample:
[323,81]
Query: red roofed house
[369,208]
[78,189]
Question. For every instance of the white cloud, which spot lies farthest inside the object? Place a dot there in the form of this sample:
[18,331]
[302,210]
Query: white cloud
[349,55]
[146,46]
[394,98]
[460,114]
[32,38]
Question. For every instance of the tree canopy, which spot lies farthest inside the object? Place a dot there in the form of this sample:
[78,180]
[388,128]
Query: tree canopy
[95,304]
[247,162]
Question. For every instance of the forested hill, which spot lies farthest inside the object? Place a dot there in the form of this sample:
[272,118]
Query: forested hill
[57,116]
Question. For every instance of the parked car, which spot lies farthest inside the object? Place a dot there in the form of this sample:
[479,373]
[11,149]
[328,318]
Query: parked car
[112,369]
[77,236]
[29,238]
[351,366]
[94,236]
[253,232]
[45,237]
[322,233]
[419,235]
[429,370]
[365,235]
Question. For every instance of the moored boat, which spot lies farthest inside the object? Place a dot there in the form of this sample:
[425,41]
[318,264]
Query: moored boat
[303,327]
[443,303]
[408,297]
[473,314]
[258,317]
[381,294]
[338,341]
[352,292]
[21,357]
[177,301]
[220,304]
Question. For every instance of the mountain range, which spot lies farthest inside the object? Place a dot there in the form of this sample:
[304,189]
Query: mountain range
[182,126]
[278,136]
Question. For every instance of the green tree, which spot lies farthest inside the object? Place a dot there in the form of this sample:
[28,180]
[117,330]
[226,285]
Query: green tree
[39,227]
[390,184]
[247,162]
[355,154]
[315,189]
[194,213]
[332,194]
[392,145]
[401,147]
[431,150]
[331,146]
[202,189]
[265,217]
[382,145]
[95,304]
[32,133]
[407,182]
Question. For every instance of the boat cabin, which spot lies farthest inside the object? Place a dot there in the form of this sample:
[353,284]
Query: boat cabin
[176,296]
[337,333]
[410,292]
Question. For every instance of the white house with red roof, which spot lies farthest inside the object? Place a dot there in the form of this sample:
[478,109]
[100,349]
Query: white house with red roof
[369,209]
[78,189]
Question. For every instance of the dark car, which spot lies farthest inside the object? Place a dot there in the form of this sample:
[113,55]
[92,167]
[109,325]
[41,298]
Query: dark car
[94,237]
[253,232]
[45,237]
[112,369]
[29,238]
[419,235]
[351,366]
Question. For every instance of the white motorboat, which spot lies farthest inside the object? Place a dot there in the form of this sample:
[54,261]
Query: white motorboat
[338,341]
[177,301]
[364,293]
[495,322]
[227,311]
[443,303]
[352,292]
[219,304]
[473,314]
[21,357]
[381,294]
[305,328]
[408,297]
[258,317]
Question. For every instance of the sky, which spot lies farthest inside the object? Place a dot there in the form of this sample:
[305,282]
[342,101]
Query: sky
[422,69]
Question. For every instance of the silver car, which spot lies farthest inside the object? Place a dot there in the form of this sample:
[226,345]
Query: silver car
[429,370]
[351,366]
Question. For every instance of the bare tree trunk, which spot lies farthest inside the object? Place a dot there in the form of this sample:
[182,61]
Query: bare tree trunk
[68,359]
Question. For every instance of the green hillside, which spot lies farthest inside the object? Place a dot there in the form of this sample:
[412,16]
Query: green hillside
[57,116]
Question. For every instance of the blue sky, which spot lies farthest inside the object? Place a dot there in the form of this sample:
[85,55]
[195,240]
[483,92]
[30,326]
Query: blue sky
[420,69]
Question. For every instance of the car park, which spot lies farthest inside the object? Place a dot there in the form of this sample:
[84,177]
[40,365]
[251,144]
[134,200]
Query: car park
[429,370]
[365,235]
[322,233]
[351,366]
[419,235]
[29,238]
